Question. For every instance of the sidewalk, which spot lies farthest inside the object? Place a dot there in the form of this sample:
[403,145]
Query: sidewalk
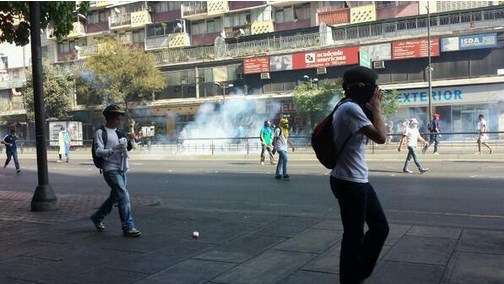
[62,246]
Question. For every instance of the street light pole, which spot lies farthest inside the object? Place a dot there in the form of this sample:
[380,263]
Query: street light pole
[224,91]
[429,67]
[44,198]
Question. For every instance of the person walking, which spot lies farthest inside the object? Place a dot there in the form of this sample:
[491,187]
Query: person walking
[64,145]
[355,120]
[266,137]
[11,149]
[482,135]
[434,134]
[282,142]
[412,135]
[114,152]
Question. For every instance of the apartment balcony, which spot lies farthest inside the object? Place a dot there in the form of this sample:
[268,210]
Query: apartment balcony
[12,79]
[98,4]
[362,14]
[77,31]
[119,21]
[194,10]
[140,19]
[168,41]
[334,17]
[262,27]
[135,19]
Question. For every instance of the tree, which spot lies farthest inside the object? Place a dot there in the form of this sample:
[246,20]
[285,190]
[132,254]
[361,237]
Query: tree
[389,103]
[313,102]
[58,88]
[59,15]
[119,73]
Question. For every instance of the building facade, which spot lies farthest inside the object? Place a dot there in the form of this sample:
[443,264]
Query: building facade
[259,51]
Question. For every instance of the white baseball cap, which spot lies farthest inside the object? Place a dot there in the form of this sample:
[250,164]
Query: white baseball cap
[414,121]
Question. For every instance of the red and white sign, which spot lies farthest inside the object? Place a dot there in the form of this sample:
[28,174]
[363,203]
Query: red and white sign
[256,65]
[325,58]
[415,48]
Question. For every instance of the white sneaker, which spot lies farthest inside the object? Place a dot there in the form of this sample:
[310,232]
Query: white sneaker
[262,163]
[436,153]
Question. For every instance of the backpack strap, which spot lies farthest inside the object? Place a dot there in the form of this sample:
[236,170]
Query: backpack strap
[342,101]
[104,136]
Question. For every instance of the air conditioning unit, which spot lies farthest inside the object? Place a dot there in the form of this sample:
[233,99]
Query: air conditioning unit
[265,76]
[321,70]
[378,64]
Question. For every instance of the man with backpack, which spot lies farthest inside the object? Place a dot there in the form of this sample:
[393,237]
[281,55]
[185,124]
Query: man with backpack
[110,154]
[357,118]
[434,134]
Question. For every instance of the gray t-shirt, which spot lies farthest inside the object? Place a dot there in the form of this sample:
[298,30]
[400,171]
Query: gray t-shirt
[348,120]
[112,161]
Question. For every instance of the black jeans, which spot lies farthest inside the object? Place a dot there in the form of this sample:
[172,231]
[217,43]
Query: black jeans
[359,252]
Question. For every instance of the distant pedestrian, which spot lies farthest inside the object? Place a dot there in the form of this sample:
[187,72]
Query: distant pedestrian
[282,142]
[482,134]
[266,138]
[115,164]
[354,121]
[181,140]
[11,149]
[412,135]
[64,145]
[434,134]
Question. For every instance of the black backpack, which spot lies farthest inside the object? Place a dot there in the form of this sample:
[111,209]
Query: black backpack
[432,126]
[322,141]
[98,161]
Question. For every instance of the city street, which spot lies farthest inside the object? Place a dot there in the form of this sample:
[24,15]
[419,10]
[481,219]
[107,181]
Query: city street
[447,225]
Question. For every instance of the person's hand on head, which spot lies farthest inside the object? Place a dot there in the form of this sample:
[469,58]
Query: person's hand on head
[374,104]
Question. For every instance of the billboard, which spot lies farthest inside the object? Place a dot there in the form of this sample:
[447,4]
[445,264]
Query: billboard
[414,48]
[74,129]
[378,52]
[469,42]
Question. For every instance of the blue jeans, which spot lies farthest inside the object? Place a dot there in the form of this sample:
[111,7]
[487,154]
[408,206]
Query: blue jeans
[412,154]
[434,138]
[118,194]
[359,253]
[282,163]
[12,154]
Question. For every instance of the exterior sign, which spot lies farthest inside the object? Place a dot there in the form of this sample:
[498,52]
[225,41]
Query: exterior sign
[415,48]
[454,95]
[256,65]
[469,42]
[326,58]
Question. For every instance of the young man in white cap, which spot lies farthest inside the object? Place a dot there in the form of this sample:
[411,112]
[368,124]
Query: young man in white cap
[412,136]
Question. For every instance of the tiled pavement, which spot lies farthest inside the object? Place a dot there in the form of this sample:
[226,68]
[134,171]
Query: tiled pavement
[62,247]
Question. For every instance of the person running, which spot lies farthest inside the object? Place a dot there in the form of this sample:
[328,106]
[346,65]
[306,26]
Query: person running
[115,164]
[434,134]
[482,135]
[356,120]
[11,149]
[266,137]
[412,136]
[281,141]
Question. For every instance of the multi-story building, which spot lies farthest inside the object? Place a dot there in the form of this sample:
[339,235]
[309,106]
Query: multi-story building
[211,51]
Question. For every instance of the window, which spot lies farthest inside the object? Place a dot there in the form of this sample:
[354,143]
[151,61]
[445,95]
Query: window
[198,28]
[103,16]
[214,26]
[138,36]
[383,4]
[302,11]
[93,17]
[237,19]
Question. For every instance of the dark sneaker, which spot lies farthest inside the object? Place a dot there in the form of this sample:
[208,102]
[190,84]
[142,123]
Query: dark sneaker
[423,170]
[132,233]
[18,171]
[278,176]
[424,149]
[98,225]
[491,151]
[286,177]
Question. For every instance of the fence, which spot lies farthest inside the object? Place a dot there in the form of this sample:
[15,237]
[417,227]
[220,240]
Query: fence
[456,142]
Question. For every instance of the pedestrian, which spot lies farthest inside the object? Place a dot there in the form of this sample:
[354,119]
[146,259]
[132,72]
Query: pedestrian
[180,140]
[11,149]
[266,137]
[115,164]
[64,145]
[281,142]
[482,134]
[411,136]
[354,121]
[434,134]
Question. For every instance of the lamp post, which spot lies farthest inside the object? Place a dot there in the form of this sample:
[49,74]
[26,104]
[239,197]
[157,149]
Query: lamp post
[223,86]
[311,80]
[429,67]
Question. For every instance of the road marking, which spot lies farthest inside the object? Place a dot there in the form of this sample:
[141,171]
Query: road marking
[448,214]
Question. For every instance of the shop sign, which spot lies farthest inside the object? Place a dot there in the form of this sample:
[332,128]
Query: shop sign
[326,58]
[256,65]
[415,48]
[469,42]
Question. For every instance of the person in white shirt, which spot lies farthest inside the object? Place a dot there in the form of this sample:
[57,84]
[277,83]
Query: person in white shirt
[482,135]
[357,119]
[411,135]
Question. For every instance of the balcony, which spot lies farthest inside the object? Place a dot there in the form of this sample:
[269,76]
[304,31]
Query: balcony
[334,17]
[77,31]
[362,14]
[119,21]
[194,11]
[99,4]
[12,79]
[140,19]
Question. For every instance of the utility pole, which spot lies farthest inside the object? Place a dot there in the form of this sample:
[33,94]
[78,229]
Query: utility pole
[429,67]
[44,198]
